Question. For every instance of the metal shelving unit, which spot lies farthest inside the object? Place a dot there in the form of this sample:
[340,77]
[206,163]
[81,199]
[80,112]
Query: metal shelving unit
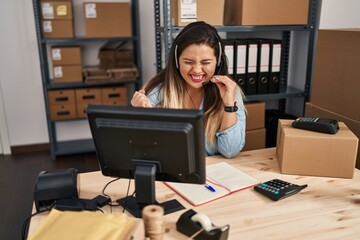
[59,148]
[164,36]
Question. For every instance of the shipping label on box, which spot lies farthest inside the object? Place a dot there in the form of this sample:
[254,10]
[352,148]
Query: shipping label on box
[56,10]
[304,152]
[66,55]
[188,11]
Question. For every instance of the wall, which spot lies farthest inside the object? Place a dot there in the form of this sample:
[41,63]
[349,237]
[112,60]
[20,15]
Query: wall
[20,72]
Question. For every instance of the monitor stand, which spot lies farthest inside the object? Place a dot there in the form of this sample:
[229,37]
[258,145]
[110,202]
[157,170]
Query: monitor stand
[145,192]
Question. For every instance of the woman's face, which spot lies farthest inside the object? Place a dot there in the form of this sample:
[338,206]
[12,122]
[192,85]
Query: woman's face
[197,64]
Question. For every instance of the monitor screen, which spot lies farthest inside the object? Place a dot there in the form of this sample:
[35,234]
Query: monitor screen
[148,144]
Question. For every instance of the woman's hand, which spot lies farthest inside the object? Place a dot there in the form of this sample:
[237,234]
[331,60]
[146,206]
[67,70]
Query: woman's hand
[227,88]
[139,99]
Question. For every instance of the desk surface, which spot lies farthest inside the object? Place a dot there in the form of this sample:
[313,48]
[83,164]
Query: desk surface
[329,208]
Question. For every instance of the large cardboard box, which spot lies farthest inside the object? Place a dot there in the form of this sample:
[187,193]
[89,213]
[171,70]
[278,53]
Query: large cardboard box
[336,85]
[56,10]
[58,28]
[266,12]
[354,126]
[255,117]
[209,11]
[255,139]
[304,152]
[107,19]
[66,55]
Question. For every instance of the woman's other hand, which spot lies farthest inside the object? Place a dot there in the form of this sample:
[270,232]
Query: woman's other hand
[139,99]
[227,88]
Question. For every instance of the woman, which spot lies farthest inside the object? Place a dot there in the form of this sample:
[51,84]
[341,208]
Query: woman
[196,78]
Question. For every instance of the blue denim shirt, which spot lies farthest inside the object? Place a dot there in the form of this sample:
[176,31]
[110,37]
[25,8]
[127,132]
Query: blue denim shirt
[228,142]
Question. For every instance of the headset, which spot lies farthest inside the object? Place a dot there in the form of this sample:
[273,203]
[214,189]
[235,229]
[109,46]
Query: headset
[196,26]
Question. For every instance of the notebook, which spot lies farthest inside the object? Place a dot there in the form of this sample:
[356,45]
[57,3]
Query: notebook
[222,177]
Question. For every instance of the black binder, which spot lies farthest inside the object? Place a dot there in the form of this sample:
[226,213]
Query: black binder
[275,65]
[251,67]
[263,66]
[240,62]
[229,46]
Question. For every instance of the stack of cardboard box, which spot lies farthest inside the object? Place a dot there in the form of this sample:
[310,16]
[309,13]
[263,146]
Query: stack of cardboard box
[336,85]
[66,64]
[255,126]
[57,19]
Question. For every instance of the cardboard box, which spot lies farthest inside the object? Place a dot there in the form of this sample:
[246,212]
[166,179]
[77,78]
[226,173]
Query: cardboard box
[88,95]
[66,55]
[63,112]
[266,12]
[114,96]
[255,118]
[67,74]
[61,97]
[209,11]
[58,10]
[336,85]
[107,19]
[58,28]
[255,139]
[354,126]
[304,152]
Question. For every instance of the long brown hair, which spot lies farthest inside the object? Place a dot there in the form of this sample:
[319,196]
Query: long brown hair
[174,87]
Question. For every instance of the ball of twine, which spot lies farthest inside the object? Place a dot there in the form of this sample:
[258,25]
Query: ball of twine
[154,222]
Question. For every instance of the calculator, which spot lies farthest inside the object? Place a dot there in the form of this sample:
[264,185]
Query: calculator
[317,124]
[277,189]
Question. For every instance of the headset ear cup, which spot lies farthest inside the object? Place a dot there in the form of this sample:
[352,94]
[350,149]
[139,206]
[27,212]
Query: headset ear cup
[176,59]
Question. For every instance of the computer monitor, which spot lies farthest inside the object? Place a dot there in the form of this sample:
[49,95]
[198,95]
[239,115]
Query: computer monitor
[148,145]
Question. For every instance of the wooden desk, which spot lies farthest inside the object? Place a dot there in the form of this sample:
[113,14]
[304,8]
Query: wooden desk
[329,208]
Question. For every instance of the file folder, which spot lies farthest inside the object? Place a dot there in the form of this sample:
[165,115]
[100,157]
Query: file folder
[240,63]
[275,65]
[251,67]
[263,66]
[229,48]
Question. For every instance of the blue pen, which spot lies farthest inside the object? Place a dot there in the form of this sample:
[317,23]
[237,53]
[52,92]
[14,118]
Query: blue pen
[209,187]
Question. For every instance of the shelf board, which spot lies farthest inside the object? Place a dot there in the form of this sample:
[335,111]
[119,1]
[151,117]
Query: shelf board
[74,147]
[252,28]
[77,40]
[286,92]
[86,85]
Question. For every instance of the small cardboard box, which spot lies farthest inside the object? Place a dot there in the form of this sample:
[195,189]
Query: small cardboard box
[63,112]
[266,12]
[67,73]
[255,139]
[66,55]
[304,152]
[107,19]
[59,10]
[335,85]
[58,28]
[61,97]
[255,118]
[185,12]
[114,96]
[88,95]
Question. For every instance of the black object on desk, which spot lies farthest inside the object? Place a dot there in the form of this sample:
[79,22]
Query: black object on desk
[188,227]
[53,185]
[317,124]
[277,189]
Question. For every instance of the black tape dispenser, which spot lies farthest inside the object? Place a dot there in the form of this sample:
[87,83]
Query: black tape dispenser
[192,222]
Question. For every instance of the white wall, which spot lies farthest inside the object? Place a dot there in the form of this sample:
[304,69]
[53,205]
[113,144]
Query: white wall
[20,72]
[20,77]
